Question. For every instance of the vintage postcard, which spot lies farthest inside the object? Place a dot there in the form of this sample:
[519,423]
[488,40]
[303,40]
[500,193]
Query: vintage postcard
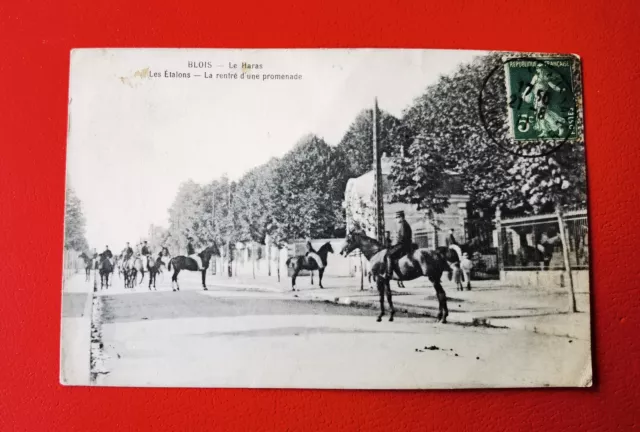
[325,218]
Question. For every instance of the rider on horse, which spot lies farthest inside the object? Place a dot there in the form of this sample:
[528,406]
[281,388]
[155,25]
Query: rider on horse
[404,245]
[311,252]
[191,252]
[146,253]
[127,252]
[107,254]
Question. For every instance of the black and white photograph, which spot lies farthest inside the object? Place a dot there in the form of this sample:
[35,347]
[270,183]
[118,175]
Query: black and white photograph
[325,219]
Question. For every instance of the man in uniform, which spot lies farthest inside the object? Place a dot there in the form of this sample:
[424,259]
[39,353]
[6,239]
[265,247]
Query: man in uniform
[451,239]
[107,254]
[127,252]
[145,254]
[403,246]
[191,252]
[311,252]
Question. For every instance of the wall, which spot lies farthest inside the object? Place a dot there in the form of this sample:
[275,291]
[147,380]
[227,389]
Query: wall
[544,280]
[245,265]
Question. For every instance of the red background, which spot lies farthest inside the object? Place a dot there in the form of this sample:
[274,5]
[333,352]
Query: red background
[35,39]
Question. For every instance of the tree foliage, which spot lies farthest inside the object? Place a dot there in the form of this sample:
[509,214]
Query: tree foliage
[357,143]
[308,191]
[74,223]
[447,122]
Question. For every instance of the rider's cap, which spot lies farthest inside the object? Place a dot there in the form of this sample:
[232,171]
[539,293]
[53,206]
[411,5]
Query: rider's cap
[400,213]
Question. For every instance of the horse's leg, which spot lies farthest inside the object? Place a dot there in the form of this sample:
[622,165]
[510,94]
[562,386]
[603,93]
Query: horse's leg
[175,276]
[443,310]
[293,278]
[204,276]
[311,277]
[320,273]
[380,284]
[387,285]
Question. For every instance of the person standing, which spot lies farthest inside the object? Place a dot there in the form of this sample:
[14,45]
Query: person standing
[451,240]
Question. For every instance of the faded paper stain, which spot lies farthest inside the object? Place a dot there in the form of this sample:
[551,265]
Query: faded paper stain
[135,79]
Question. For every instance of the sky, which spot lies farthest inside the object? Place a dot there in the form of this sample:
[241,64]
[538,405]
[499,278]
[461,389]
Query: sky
[133,139]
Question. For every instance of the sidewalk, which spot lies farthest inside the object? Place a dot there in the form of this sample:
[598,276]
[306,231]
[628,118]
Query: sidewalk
[75,338]
[489,303]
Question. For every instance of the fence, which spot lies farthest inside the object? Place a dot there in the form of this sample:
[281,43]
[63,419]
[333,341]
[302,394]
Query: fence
[534,242]
[72,263]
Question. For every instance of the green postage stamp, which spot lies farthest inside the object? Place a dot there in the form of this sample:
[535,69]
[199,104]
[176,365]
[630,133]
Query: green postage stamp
[541,98]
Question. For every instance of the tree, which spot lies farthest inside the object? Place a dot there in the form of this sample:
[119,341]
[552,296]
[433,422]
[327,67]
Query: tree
[253,202]
[357,143]
[446,119]
[74,223]
[308,187]
[186,215]
[158,237]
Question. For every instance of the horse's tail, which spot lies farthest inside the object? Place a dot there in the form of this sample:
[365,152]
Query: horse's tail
[169,266]
[288,261]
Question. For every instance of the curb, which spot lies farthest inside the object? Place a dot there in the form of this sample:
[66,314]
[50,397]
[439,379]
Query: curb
[454,317]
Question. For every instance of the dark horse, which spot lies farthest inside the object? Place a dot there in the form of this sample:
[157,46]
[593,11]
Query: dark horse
[105,267]
[181,262]
[154,268]
[421,262]
[301,262]
[87,266]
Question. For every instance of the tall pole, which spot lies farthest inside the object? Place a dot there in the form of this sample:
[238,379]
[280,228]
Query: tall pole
[229,233]
[378,192]
[565,257]
[213,223]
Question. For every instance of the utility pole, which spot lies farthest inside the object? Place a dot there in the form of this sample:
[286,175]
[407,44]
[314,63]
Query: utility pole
[378,191]
[213,224]
[230,221]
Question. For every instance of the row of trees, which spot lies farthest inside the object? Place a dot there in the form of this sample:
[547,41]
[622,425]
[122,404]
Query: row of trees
[74,223]
[301,194]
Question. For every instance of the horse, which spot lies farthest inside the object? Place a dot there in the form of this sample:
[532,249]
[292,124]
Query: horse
[105,267]
[130,268]
[182,262]
[154,269]
[135,266]
[421,262]
[301,262]
[529,255]
[87,266]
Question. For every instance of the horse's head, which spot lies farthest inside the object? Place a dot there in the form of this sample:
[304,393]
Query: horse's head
[325,248]
[209,251]
[351,243]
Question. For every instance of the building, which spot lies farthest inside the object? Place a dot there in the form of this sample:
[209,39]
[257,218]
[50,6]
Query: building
[360,209]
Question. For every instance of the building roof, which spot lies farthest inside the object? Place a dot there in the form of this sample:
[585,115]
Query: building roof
[363,186]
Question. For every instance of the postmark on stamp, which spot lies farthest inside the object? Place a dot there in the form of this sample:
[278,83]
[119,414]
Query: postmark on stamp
[530,105]
[541,98]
